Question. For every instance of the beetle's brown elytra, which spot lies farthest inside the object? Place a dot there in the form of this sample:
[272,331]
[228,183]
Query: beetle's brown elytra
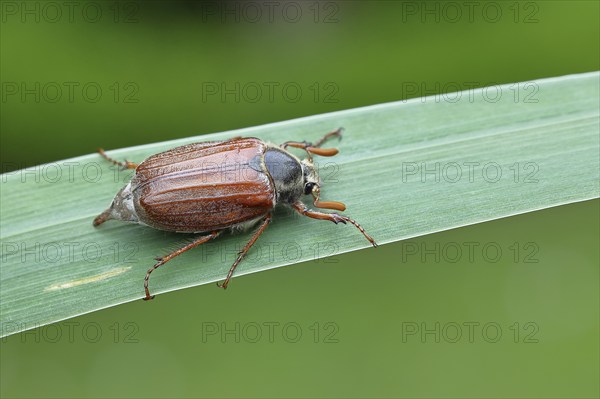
[214,186]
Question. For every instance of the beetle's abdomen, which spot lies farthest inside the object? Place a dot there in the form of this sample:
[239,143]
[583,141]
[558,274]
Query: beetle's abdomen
[203,186]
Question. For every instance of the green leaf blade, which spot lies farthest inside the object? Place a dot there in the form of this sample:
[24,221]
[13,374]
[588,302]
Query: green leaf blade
[55,265]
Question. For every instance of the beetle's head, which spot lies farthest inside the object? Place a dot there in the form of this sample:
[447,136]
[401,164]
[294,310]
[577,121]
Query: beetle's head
[312,186]
[311,177]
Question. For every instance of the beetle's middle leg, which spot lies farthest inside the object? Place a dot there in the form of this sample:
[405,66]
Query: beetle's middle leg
[123,164]
[163,260]
[315,148]
[245,250]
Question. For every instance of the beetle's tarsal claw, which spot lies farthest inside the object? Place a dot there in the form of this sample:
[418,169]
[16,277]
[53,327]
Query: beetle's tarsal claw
[222,285]
[337,218]
[149,298]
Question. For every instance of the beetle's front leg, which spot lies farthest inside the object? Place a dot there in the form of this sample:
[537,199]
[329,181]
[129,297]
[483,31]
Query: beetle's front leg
[314,148]
[336,133]
[123,164]
[333,217]
[245,250]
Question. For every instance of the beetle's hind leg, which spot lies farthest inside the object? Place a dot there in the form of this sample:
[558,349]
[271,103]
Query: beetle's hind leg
[123,164]
[314,148]
[163,260]
[245,250]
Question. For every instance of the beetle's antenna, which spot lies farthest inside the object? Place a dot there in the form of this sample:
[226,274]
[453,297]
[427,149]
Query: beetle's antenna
[324,152]
[335,205]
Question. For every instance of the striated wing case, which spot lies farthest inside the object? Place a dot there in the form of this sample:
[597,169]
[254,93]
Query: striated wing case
[204,186]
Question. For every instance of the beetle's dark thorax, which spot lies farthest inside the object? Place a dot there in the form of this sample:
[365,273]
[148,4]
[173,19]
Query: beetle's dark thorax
[286,172]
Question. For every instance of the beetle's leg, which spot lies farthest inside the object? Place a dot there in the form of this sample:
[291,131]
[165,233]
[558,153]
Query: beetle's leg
[311,148]
[336,133]
[303,145]
[245,250]
[163,260]
[333,217]
[308,147]
[124,164]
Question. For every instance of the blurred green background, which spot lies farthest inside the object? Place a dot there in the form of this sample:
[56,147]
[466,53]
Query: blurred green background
[372,323]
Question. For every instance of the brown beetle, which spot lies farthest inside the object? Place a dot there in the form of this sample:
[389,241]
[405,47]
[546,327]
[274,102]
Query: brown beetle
[213,186]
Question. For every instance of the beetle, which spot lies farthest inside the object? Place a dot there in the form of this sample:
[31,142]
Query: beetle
[214,186]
